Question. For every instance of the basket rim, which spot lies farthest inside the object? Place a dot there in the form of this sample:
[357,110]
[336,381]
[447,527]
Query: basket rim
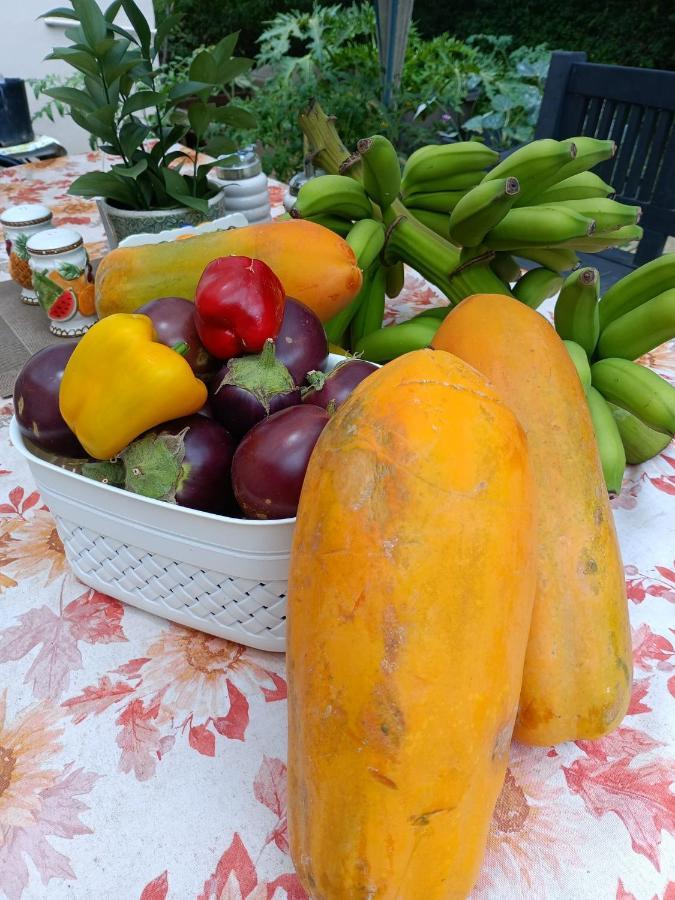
[18,441]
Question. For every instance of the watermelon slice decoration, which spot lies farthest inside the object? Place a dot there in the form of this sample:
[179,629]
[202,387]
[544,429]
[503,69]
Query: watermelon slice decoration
[59,305]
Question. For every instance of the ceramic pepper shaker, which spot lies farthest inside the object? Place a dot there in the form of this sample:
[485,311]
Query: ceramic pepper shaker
[63,280]
[19,223]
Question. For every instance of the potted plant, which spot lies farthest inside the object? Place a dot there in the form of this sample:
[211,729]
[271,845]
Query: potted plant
[124,106]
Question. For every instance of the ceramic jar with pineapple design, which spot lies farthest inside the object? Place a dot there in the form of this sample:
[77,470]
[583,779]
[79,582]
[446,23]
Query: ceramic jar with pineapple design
[19,223]
[63,280]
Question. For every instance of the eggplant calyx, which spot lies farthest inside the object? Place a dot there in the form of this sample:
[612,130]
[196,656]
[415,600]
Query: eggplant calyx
[109,471]
[153,465]
[316,381]
[262,375]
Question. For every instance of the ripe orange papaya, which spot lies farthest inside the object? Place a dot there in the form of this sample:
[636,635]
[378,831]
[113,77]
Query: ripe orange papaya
[578,667]
[314,265]
[411,586]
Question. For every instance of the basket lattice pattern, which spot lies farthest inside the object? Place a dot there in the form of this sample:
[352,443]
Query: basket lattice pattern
[253,607]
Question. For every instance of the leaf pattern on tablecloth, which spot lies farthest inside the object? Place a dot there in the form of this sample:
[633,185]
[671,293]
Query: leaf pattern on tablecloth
[156,889]
[235,878]
[269,788]
[639,585]
[640,691]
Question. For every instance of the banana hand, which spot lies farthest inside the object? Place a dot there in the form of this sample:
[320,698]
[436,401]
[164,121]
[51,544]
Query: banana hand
[333,223]
[535,286]
[640,330]
[461,181]
[381,169]
[607,214]
[333,195]
[395,340]
[653,278]
[610,445]
[439,161]
[480,209]
[506,268]
[438,222]
[541,226]
[639,390]
[370,311]
[576,309]
[337,328]
[601,240]
[581,364]
[578,187]
[555,258]
[640,442]
[395,279]
[435,201]
[366,238]
[589,152]
[537,165]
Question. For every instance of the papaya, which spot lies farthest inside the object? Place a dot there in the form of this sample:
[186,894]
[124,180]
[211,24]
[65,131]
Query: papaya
[315,266]
[578,667]
[410,595]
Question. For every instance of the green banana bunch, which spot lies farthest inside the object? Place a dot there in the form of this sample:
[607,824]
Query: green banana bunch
[333,195]
[610,445]
[435,201]
[366,238]
[443,161]
[394,279]
[536,285]
[640,330]
[648,281]
[437,222]
[337,328]
[434,312]
[558,259]
[576,310]
[333,223]
[460,181]
[594,243]
[640,442]
[541,226]
[395,340]
[370,311]
[536,166]
[609,215]
[577,187]
[381,169]
[506,267]
[588,153]
[481,209]
[581,364]
[639,390]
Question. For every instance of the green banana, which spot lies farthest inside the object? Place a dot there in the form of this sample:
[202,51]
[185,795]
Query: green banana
[637,389]
[435,201]
[395,340]
[437,161]
[460,181]
[541,226]
[334,195]
[578,187]
[395,279]
[608,214]
[535,286]
[506,267]
[555,258]
[336,329]
[640,442]
[333,223]
[576,309]
[370,311]
[366,238]
[381,169]
[653,278]
[434,312]
[640,330]
[536,166]
[438,222]
[581,364]
[480,209]
[610,445]
[598,241]
[589,152]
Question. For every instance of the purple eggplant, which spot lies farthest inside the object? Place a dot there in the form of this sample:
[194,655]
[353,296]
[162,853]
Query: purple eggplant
[186,461]
[173,318]
[248,388]
[269,464]
[335,386]
[301,344]
[36,401]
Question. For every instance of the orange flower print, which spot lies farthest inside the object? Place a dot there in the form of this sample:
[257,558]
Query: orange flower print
[34,548]
[662,359]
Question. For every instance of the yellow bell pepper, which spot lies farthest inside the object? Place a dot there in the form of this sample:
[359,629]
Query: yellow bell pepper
[119,382]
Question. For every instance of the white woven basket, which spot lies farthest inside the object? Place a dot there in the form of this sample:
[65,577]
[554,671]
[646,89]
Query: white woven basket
[221,575]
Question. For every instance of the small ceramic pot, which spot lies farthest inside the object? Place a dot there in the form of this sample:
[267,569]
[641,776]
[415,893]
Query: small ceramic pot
[63,280]
[121,223]
[19,223]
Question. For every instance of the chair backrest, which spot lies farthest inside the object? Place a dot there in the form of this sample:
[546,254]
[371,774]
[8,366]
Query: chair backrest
[635,108]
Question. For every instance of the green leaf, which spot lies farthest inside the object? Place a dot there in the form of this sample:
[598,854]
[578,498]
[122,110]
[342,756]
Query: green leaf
[78,59]
[191,202]
[131,135]
[174,182]
[233,68]
[219,145]
[61,12]
[164,29]
[103,184]
[95,89]
[203,68]
[199,116]
[92,20]
[225,47]
[142,100]
[139,24]
[69,271]
[73,97]
[93,126]
[189,89]
[234,115]
[131,171]
[112,11]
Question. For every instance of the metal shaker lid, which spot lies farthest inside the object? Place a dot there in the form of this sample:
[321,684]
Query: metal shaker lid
[241,164]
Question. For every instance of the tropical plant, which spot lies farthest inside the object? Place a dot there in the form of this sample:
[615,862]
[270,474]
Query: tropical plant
[133,116]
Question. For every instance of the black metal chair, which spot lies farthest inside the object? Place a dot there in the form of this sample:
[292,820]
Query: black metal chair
[635,108]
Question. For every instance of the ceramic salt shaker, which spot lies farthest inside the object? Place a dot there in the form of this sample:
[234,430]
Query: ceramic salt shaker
[63,280]
[19,223]
[245,185]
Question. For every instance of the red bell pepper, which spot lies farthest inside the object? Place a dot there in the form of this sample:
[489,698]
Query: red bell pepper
[239,304]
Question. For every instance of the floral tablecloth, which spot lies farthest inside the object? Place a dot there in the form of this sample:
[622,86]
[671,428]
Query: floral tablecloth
[142,760]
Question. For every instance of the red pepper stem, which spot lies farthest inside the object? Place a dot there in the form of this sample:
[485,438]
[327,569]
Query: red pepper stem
[181,348]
